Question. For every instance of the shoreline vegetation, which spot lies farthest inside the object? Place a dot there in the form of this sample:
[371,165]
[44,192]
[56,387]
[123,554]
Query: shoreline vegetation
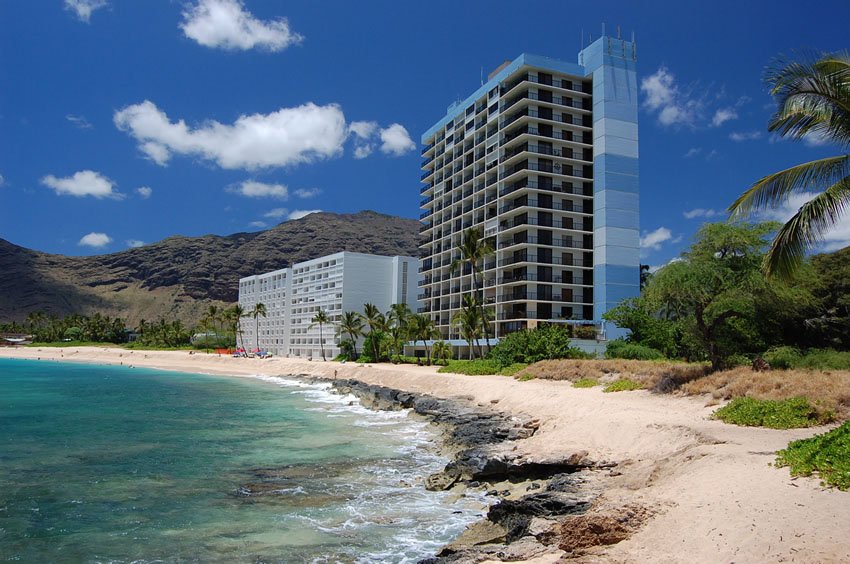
[640,463]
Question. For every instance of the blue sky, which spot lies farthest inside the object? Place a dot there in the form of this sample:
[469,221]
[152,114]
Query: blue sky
[124,122]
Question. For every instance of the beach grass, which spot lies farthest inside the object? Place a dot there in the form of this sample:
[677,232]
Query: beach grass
[826,390]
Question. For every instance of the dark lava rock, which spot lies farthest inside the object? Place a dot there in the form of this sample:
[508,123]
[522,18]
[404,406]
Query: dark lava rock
[515,515]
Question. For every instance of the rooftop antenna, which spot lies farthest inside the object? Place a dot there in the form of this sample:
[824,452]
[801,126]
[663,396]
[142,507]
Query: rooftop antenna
[603,29]
[482,75]
[618,33]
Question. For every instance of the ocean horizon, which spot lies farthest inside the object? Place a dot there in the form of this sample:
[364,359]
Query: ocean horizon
[119,464]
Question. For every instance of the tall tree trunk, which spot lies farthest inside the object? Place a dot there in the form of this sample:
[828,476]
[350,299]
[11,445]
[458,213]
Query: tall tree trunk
[353,344]
[481,307]
[322,342]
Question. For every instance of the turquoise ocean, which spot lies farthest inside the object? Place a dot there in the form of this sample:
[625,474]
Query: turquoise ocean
[119,464]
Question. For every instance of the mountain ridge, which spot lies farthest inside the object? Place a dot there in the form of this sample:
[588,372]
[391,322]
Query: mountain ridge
[179,276]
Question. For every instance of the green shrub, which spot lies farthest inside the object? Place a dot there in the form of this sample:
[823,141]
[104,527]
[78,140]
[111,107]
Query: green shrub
[620,348]
[478,367]
[824,359]
[584,332]
[586,383]
[783,357]
[547,342]
[622,385]
[783,414]
[512,369]
[827,454]
[738,360]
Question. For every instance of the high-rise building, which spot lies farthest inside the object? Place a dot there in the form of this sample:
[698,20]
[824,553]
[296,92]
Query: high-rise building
[543,160]
[335,283]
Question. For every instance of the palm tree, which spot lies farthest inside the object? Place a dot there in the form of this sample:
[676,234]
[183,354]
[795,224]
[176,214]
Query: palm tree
[422,329]
[813,99]
[214,316]
[468,321]
[473,250]
[258,310]
[352,325]
[236,313]
[398,320]
[376,322]
[442,351]
[320,319]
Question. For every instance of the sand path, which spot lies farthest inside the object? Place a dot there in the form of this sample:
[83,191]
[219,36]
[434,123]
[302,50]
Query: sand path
[711,486]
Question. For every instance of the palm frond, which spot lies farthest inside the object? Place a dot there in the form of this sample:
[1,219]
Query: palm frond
[813,96]
[773,189]
[806,229]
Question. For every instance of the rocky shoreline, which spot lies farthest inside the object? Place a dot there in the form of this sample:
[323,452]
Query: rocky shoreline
[534,496]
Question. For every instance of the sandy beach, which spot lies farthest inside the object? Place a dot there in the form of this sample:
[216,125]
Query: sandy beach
[710,488]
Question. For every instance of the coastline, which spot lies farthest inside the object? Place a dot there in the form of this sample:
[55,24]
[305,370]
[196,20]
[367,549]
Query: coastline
[704,491]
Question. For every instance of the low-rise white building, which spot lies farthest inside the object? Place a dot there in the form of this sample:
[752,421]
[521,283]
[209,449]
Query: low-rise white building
[335,283]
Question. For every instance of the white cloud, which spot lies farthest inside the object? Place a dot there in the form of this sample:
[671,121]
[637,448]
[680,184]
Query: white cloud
[693,151]
[308,192]
[95,240]
[227,24]
[723,115]
[84,8]
[2,180]
[134,243]
[79,121]
[363,151]
[653,240]
[144,192]
[81,184]
[700,212]
[276,213]
[711,154]
[298,214]
[254,189]
[739,136]
[285,137]
[363,129]
[664,97]
[816,139]
[396,141]
[257,224]
[836,238]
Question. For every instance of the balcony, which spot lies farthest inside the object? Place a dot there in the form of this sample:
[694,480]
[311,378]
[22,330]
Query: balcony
[569,120]
[564,84]
[557,100]
[563,223]
[566,242]
[555,168]
[530,258]
[565,153]
[557,206]
[555,188]
[531,277]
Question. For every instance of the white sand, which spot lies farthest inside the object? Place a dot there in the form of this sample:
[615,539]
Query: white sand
[715,495]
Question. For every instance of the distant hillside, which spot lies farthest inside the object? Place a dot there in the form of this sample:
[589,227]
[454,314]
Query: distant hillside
[179,276]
